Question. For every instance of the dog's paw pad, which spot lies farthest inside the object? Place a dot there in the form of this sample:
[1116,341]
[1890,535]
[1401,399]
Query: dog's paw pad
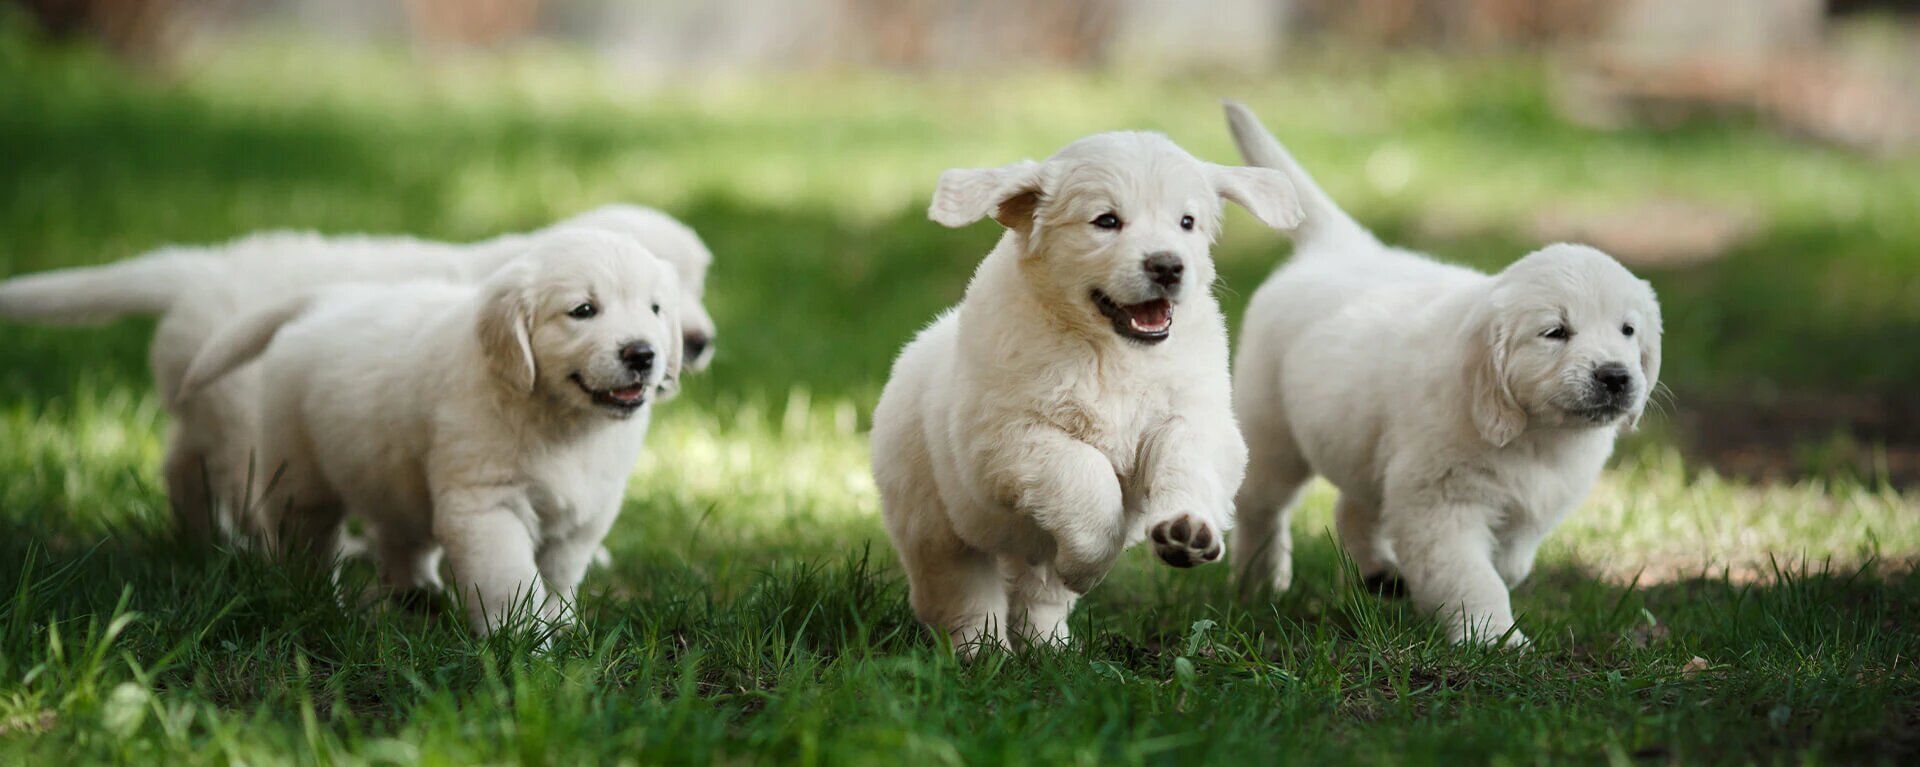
[1185,541]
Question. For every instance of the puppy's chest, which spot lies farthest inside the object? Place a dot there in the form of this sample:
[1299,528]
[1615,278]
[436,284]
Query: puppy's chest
[577,487]
[1114,421]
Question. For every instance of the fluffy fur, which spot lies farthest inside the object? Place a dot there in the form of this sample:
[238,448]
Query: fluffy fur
[195,290]
[1054,417]
[497,421]
[1461,415]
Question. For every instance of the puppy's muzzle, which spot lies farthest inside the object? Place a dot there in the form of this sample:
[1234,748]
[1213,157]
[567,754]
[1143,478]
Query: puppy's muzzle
[1614,379]
[638,357]
[1166,270]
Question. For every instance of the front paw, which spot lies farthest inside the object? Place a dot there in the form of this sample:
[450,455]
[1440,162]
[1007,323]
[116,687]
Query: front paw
[1186,541]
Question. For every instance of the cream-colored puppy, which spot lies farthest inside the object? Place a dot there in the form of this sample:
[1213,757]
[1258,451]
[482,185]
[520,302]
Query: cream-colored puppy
[1461,415]
[498,421]
[1076,401]
[196,290]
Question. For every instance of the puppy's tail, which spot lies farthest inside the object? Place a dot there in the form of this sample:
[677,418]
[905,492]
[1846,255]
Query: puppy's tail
[237,343]
[1325,221]
[140,286]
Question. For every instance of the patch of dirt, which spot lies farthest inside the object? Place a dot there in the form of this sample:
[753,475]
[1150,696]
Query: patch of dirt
[1657,233]
[1791,436]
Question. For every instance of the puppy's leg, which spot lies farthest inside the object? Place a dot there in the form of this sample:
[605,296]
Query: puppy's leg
[1069,490]
[1189,487]
[1446,556]
[1039,603]
[1262,537]
[957,589]
[1358,526]
[188,475]
[1514,559]
[563,564]
[408,559]
[488,534]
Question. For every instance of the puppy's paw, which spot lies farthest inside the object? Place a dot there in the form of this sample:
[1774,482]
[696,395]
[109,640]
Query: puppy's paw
[1186,541]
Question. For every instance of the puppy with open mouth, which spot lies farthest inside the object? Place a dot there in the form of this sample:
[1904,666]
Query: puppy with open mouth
[1076,401]
[1462,415]
[497,423]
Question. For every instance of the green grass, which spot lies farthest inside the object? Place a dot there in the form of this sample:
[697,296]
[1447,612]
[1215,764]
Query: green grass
[754,611]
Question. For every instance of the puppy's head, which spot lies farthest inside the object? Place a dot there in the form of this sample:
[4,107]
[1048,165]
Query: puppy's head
[677,244]
[1568,338]
[585,318]
[1116,227]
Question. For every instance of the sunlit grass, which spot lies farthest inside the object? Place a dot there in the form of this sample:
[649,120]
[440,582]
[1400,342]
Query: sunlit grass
[753,611]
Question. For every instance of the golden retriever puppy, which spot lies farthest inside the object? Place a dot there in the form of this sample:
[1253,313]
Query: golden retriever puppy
[1076,401]
[496,421]
[1462,415]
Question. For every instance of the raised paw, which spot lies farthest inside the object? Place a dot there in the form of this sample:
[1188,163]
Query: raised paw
[1186,541]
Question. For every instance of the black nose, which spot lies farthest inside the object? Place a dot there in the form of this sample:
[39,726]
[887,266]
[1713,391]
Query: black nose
[696,344]
[1165,269]
[1614,377]
[638,356]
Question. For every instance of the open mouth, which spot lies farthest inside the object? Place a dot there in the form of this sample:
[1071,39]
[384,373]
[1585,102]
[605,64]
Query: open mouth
[1148,322]
[625,399]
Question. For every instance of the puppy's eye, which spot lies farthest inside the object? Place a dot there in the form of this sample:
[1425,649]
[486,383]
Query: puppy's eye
[1557,333]
[1186,222]
[1107,221]
[656,307]
[1626,330]
[584,311]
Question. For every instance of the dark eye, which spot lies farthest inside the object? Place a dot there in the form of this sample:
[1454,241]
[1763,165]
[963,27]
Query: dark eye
[1557,333]
[584,311]
[656,307]
[1107,221]
[1626,330]
[1186,222]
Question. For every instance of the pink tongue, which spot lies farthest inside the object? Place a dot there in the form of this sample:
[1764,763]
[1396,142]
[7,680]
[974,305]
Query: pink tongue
[628,394]
[1150,317]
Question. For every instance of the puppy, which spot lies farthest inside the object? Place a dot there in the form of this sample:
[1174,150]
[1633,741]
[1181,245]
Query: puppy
[196,290]
[498,421]
[1461,415]
[1077,397]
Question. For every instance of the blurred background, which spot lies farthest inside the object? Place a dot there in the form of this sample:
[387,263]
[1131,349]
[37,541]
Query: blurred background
[1758,160]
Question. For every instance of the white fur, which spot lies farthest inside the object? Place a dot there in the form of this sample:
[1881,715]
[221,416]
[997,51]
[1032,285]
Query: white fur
[197,289]
[1428,394]
[458,416]
[1022,443]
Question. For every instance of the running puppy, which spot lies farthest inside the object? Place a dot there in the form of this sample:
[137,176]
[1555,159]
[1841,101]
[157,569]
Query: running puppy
[1461,415]
[196,290]
[498,421]
[1076,401]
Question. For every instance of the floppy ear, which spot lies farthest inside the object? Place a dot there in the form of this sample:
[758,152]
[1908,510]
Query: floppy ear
[1649,364]
[1266,193]
[676,350]
[1009,193]
[506,328]
[1496,412]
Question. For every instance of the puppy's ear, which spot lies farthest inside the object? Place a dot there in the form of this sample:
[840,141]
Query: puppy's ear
[1009,193]
[506,327]
[676,344]
[1496,411]
[1649,338]
[1266,193]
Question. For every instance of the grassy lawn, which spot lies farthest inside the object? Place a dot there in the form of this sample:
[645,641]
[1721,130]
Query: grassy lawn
[754,611]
